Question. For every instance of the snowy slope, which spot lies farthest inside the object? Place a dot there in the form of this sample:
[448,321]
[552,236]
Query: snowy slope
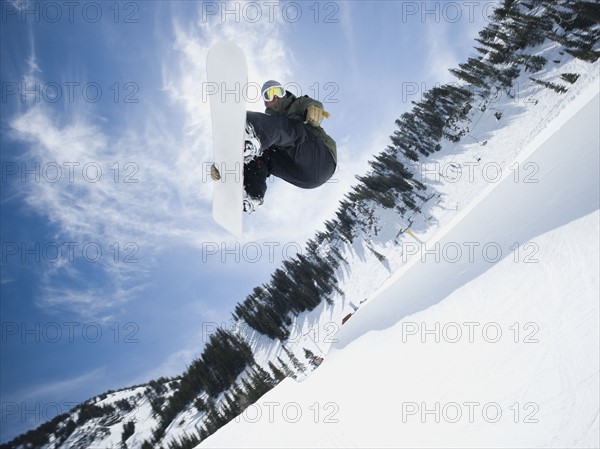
[470,350]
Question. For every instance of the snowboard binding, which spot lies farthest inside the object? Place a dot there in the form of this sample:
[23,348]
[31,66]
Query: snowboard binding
[251,144]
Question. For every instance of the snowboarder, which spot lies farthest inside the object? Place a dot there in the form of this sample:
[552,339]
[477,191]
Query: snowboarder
[288,142]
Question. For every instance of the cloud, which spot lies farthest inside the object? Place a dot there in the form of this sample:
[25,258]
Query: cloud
[93,300]
[62,388]
[441,55]
[110,196]
[448,40]
[347,23]
[173,366]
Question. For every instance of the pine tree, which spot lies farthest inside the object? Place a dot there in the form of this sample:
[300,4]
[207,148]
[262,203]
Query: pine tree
[286,369]
[570,77]
[297,364]
[277,373]
[309,354]
[128,431]
[555,87]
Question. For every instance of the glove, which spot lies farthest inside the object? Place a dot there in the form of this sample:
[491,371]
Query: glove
[314,115]
[214,173]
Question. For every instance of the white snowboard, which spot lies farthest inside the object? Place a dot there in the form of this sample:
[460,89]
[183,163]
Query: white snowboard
[227,75]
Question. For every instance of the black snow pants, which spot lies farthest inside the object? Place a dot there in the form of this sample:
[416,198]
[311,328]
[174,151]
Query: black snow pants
[290,152]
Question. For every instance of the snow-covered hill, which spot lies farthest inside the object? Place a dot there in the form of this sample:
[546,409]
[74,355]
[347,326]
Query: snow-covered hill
[494,346]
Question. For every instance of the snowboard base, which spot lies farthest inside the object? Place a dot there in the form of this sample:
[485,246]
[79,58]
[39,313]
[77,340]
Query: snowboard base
[227,72]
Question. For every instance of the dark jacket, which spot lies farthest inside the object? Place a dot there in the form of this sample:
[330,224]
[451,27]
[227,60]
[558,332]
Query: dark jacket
[295,109]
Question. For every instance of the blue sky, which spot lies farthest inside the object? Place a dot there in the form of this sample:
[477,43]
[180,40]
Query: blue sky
[112,269]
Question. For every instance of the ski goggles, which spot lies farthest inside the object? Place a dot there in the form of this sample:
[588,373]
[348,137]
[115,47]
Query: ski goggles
[271,92]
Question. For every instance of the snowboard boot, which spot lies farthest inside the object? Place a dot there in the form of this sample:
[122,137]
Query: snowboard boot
[251,144]
[250,203]
[256,173]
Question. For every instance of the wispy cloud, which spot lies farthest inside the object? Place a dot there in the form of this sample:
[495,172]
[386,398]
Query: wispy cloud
[118,194]
[447,42]
[6,280]
[442,55]
[174,365]
[347,22]
[61,388]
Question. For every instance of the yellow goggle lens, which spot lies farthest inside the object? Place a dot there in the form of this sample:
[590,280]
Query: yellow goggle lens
[272,92]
